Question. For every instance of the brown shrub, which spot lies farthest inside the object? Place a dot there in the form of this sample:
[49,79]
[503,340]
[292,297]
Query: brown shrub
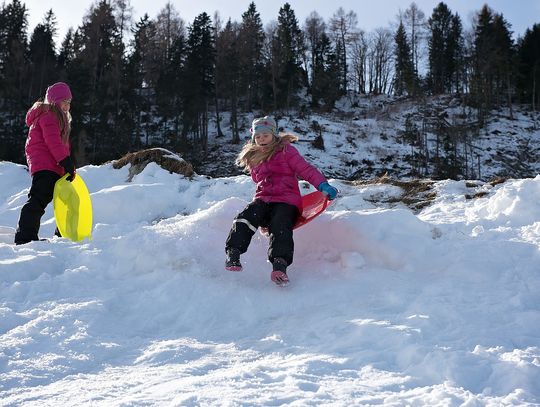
[164,158]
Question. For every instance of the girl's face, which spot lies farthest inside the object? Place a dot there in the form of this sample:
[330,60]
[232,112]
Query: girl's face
[65,105]
[263,139]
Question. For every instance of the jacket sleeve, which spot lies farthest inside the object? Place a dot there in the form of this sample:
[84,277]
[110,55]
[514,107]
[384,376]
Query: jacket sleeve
[51,134]
[302,168]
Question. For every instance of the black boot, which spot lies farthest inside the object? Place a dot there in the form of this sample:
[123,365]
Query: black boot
[232,261]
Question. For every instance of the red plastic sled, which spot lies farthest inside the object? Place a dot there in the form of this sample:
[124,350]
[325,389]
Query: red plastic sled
[314,204]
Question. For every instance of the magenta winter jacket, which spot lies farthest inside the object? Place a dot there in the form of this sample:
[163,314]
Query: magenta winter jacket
[44,147]
[277,178]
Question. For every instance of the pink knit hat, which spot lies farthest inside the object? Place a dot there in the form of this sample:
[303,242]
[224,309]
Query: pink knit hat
[57,92]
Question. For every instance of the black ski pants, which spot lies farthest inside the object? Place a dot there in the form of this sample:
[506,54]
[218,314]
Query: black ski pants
[278,217]
[40,195]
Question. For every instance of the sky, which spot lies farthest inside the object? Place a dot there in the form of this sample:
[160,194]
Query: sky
[387,305]
[520,14]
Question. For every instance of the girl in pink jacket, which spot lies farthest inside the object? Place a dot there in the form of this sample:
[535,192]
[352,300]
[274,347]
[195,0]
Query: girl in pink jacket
[275,166]
[47,153]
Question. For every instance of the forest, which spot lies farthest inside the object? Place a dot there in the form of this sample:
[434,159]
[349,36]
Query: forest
[160,81]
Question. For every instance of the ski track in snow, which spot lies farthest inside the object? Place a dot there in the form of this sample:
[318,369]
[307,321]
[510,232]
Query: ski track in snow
[385,307]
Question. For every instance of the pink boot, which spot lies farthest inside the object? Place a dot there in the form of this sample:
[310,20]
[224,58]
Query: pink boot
[280,278]
[279,275]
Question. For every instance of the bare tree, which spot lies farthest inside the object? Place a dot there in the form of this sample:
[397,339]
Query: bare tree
[380,61]
[415,20]
[314,28]
[359,61]
[343,27]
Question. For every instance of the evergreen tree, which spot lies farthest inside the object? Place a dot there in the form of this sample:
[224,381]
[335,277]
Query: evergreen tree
[228,70]
[290,49]
[440,26]
[504,57]
[167,68]
[456,55]
[492,56]
[445,45]
[139,81]
[404,69]
[199,85]
[14,99]
[325,82]
[42,57]
[529,66]
[250,57]
[94,76]
[13,62]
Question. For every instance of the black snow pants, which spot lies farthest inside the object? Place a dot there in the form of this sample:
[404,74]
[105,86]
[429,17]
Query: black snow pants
[278,217]
[40,195]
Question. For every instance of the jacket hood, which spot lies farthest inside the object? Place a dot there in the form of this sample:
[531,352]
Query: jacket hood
[33,113]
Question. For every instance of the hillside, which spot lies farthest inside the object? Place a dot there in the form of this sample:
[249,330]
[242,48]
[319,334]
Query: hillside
[363,138]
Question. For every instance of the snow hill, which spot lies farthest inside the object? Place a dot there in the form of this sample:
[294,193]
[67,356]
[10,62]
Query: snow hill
[387,305]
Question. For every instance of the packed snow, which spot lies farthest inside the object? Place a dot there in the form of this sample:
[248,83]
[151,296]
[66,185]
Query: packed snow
[386,306]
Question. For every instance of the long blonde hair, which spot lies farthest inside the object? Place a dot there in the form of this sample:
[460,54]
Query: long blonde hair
[252,154]
[64,118]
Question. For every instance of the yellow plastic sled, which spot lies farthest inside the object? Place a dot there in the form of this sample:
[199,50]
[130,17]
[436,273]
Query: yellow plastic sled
[72,208]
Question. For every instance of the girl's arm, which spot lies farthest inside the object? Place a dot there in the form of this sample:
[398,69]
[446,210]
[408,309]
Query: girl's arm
[302,168]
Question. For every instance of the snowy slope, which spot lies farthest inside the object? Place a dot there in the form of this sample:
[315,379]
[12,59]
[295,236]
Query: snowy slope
[363,138]
[386,306]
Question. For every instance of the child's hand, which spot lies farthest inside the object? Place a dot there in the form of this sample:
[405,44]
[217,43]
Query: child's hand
[328,189]
[69,167]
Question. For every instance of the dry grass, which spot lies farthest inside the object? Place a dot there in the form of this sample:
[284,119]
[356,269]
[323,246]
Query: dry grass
[417,194]
[164,158]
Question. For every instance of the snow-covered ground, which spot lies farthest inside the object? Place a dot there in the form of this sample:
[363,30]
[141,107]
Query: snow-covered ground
[363,138]
[386,306]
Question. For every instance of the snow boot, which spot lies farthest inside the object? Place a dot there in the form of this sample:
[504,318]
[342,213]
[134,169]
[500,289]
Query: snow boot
[279,274]
[232,261]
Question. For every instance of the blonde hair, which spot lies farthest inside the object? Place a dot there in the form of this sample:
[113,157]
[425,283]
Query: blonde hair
[64,118]
[253,155]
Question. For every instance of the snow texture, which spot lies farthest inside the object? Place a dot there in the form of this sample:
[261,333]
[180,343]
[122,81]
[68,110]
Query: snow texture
[386,306]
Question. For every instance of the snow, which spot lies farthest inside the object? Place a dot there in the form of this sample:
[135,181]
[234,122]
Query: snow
[386,306]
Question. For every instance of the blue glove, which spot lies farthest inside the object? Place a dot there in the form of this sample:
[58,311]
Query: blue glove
[328,189]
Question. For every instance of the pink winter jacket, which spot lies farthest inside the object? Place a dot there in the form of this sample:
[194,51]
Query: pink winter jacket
[277,178]
[44,147]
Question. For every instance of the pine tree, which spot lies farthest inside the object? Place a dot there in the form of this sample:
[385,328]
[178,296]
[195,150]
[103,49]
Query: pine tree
[404,70]
[493,57]
[528,51]
[250,46]
[94,76]
[13,79]
[456,55]
[199,85]
[139,64]
[228,70]
[325,84]
[42,57]
[440,25]
[13,62]
[290,49]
